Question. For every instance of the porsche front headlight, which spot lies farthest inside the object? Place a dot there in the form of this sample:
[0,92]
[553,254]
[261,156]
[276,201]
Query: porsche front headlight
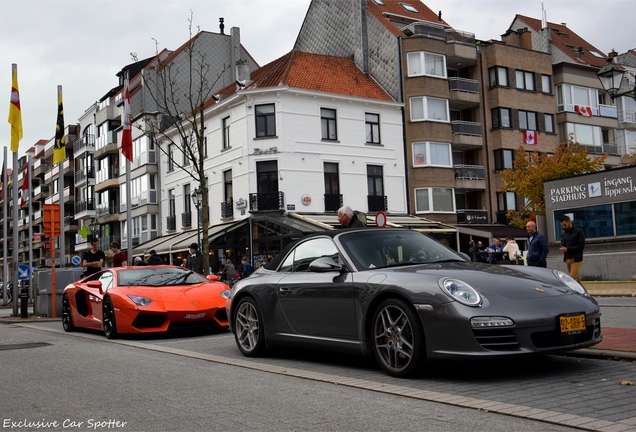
[139,300]
[460,291]
[570,282]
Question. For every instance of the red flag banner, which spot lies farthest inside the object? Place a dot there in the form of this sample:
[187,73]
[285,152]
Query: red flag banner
[530,137]
[585,111]
[126,135]
[26,187]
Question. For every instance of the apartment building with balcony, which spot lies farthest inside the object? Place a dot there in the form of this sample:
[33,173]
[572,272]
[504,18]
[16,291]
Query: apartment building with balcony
[584,110]
[519,106]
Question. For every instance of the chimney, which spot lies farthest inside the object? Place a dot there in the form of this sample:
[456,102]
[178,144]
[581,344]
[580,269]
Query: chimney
[221,25]
[613,53]
[439,16]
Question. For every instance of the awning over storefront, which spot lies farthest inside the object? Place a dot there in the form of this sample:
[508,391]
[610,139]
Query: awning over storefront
[492,231]
[399,221]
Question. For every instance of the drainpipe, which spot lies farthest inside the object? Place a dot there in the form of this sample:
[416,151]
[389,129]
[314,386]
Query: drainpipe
[484,134]
[404,142]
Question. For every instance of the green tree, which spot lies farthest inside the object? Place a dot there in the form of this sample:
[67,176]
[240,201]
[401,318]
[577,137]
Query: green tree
[531,169]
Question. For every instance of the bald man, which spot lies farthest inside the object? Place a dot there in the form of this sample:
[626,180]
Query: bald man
[537,246]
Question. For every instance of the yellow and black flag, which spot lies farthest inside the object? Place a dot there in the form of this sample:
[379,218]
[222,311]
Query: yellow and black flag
[59,148]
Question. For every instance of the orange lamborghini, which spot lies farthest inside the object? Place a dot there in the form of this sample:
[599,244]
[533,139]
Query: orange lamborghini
[144,300]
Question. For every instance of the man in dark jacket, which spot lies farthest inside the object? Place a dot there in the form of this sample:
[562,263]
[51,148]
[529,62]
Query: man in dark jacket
[195,259]
[154,259]
[537,246]
[348,218]
[572,244]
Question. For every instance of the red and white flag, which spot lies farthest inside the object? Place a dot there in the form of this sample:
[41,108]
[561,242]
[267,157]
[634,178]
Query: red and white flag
[26,187]
[126,135]
[530,137]
[583,110]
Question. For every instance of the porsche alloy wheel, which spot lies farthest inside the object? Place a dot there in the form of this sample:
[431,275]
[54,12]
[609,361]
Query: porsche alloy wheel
[248,332]
[398,338]
[67,319]
[110,326]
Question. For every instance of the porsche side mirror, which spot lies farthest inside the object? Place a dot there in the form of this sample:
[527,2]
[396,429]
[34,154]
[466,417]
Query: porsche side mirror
[212,278]
[324,264]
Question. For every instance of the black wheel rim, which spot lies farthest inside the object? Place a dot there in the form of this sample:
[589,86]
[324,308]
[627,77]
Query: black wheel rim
[247,326]
[66,312]
[109,318]
[393,338]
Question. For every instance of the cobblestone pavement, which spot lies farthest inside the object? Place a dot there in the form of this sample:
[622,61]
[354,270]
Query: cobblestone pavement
[589,394]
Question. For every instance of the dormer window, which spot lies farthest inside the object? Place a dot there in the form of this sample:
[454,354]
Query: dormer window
[409,8]
[378,2]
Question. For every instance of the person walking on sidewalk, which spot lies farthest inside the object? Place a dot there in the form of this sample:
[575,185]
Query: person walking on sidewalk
[195,259]
[572,244]
[93,259]
[537,246]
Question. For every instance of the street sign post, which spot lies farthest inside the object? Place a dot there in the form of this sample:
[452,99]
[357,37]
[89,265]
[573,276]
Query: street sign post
[24,272]
[52,230]
[76,260]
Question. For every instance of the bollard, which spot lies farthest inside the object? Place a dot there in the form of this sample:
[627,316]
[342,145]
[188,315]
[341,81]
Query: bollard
[24,302]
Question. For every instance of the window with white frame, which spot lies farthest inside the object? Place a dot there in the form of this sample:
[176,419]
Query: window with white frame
[583,134]
[429,108]
[527,120]
[424,63]
[437,200]
[500,118]
[372,126]
[524,80]
[498,76]
[170,157]
[570,96]
[328,124]
[432,154]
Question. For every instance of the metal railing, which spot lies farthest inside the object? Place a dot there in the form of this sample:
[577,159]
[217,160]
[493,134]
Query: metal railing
[463,84]
[227,210]
[267,201]
[171,223]
[434,31]
[83,206]
[87,142]
[470,172]
[333,202]
[466,128]
[186,219]
[377,203]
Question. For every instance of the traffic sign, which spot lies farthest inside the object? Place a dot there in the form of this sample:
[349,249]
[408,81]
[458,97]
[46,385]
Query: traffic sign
[76,260]
[380,219]
[24,272]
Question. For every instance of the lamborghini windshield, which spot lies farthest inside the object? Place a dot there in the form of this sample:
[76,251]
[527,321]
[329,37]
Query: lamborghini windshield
[158,277]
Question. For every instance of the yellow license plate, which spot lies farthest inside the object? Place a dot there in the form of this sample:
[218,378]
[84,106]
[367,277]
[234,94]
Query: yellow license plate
[572,323]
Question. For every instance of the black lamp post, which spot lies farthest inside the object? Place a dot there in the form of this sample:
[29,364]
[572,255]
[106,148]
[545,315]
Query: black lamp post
[611,76]
[197,196]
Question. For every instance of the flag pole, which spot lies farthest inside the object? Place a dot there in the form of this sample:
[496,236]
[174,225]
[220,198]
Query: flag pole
[15,255]
[5,255]
[30,241]
[126,144]
[61,187]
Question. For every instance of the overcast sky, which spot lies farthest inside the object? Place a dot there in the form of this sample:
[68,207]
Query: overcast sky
[82,44]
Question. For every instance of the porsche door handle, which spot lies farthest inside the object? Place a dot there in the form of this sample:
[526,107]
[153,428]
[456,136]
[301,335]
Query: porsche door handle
[284,291]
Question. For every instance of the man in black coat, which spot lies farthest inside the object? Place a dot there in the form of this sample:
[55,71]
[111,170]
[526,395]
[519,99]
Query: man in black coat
[537,246]
[348,218]
[155,259]
[572,244]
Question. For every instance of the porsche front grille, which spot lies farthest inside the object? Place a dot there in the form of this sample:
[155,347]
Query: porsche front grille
[496,339]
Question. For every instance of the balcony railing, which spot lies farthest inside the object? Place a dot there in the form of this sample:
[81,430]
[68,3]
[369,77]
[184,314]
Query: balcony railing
[466,128]
[86,142]
[171,223]
[333,202]
[226,209]
[84,174]
[470,172]
[267,201]
[613,149]
[376,203]
[186,219]
[107,174]
[608,111]
[434,31]
[83,206]
[106,209]
[463,84]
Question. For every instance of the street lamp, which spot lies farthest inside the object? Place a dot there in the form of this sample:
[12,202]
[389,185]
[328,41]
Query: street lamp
[611,76]
[197,196]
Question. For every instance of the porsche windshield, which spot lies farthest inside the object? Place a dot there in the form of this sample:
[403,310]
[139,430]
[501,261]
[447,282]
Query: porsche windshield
[388,248]
[159,277]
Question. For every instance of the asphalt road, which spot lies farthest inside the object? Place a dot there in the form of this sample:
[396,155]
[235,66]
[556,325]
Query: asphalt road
[85,382]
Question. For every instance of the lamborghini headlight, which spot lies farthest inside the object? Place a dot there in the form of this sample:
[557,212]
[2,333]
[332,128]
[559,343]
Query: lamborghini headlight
[460,291]
[225,293]
[139,300]
[570,282]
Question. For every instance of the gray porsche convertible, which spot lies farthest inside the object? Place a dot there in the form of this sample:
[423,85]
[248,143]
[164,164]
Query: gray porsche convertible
[404,297]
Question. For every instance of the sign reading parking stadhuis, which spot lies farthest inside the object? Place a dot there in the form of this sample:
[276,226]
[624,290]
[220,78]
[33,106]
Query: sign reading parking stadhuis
[603,187]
